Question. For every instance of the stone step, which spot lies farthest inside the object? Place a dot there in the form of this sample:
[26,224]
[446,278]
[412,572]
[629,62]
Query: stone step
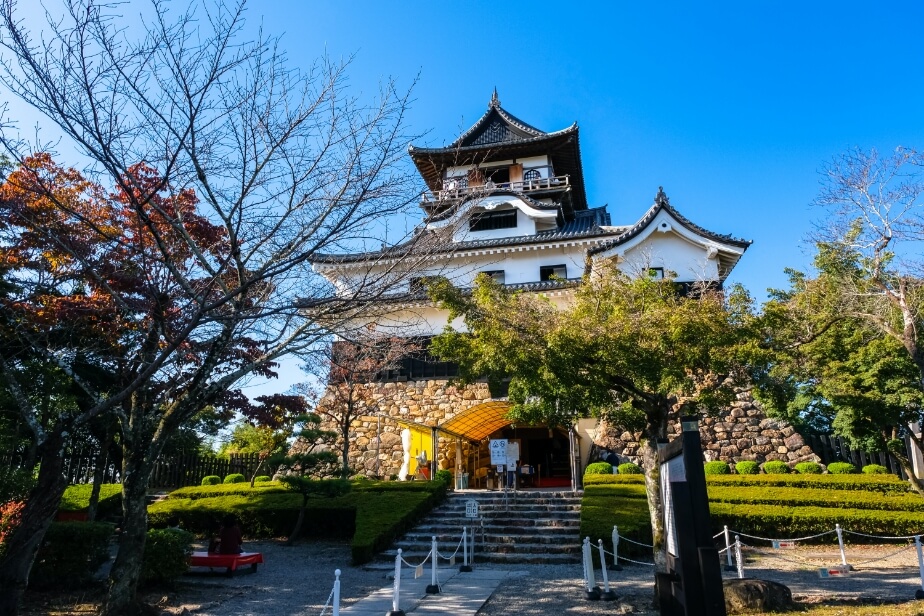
[510,527]
[541,538]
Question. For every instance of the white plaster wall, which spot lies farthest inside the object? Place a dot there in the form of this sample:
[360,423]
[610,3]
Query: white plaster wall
[528,162]
[525,226]
[672,252]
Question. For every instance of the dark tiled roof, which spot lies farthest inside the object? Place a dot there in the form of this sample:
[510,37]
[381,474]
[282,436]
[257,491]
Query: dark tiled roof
[586,224]
[529,287]
[663,203]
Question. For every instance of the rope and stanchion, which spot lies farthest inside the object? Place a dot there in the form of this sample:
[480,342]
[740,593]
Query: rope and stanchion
[738,558]
[433,588]
[616,566]
[466,567]
[592,591]
[729,565]
[607,594]
[396,598]
[333,599]
[919,593]
[840,543]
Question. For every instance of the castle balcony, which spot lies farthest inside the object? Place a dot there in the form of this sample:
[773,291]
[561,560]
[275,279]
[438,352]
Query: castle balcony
[457,189]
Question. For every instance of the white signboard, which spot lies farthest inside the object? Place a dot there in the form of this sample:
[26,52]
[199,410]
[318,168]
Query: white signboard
[498,449]
[471,508]
[513,453]
[672,470]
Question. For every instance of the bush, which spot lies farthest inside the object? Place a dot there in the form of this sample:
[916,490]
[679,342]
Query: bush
[610,479]
[227,489]
[444,476]
[875,469]
[842,468]
[235,478]
[629,469]
[262,479]
[716,467]
[776,467]
[10,516]
[211,480]
[166,555]
[15,484]
[599,468]
[747,467]
[886,484]
[77,498]
[70,554]
[808,468]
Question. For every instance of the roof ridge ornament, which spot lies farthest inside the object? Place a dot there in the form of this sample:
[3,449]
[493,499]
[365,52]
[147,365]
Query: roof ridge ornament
[661,197]
[495,102]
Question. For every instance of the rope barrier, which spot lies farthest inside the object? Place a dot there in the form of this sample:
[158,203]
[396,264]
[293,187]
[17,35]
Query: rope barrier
[851,532]
[327,603]
[334,595]
[422,563]
[827,532]
[644,545]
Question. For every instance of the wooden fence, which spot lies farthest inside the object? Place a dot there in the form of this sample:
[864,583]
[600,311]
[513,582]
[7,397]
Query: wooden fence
[835,449]
[173,471]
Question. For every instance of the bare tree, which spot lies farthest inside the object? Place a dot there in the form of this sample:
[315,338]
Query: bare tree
[353,368]
[278,164]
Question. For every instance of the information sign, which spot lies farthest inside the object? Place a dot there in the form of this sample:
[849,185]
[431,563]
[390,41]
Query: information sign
[498,447]
[783,545]
[471,508]
[834,572]
[513,453]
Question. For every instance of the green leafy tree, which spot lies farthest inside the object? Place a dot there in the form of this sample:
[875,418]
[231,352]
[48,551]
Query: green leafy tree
[635,351]
[848,338]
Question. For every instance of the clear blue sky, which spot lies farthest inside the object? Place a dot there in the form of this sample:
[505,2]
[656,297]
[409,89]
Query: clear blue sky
[732,107]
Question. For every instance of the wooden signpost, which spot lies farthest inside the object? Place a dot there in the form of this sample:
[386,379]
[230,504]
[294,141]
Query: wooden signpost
[692,585]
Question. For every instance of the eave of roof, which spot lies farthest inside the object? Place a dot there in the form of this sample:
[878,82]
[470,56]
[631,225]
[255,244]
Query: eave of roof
[452,209]
[663,203]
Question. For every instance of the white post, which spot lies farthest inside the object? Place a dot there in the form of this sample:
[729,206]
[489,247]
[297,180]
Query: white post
[917,545]
[433,588]
[465,546]
[738,557]
[729,566]
[592,592]
[337,592]
[607,594]
[840,542]
[615,538]
[396,596]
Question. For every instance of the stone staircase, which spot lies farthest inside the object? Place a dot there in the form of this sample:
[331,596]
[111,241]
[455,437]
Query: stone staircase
[531,527]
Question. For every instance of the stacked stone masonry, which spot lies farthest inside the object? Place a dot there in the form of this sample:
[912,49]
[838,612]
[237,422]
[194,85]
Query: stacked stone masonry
[744,433]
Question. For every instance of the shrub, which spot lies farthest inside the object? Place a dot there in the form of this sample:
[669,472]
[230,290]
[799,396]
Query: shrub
[599,468]
[747,467]
[77,498]
[629,468]
[776,467]
[235,478]
[716,467]
[262,479]
[875,469]
[70,554]
[444,476]
[10,516]
[211,480]
[808,468]
[15,484]
[166,555]
[842,468]
[608,479]
[886,484]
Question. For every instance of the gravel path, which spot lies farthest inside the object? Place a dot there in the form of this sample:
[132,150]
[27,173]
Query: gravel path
[298,580]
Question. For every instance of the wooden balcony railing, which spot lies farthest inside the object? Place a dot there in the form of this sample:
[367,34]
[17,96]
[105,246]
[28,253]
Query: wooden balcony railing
[526,186]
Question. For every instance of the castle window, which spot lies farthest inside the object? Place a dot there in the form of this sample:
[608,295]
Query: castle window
[656,273]
[532,174]
[489,221]
[547,271]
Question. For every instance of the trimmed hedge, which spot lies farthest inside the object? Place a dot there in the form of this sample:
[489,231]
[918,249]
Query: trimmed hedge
[234,478]
[211,480]
[817,497]
[776,467]
[77,498]
[612,504]
[629,469]
[716,467]
[262,479]
[226,489]
[808,468]
[599,468]
[166,555]
[608,479]
[747,467]
[841,468]
[875,469]
[70,554]
[873,483]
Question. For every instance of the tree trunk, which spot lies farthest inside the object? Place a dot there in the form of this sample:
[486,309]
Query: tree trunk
[99,470]
[345,451]
[24,542]
[298,522]
[126,570]
[649,455]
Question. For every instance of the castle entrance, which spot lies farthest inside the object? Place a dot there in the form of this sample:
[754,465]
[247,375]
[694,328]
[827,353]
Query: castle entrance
[545,454]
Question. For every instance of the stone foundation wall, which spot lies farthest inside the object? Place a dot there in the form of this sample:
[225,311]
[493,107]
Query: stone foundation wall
[744,433]
[423,402]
